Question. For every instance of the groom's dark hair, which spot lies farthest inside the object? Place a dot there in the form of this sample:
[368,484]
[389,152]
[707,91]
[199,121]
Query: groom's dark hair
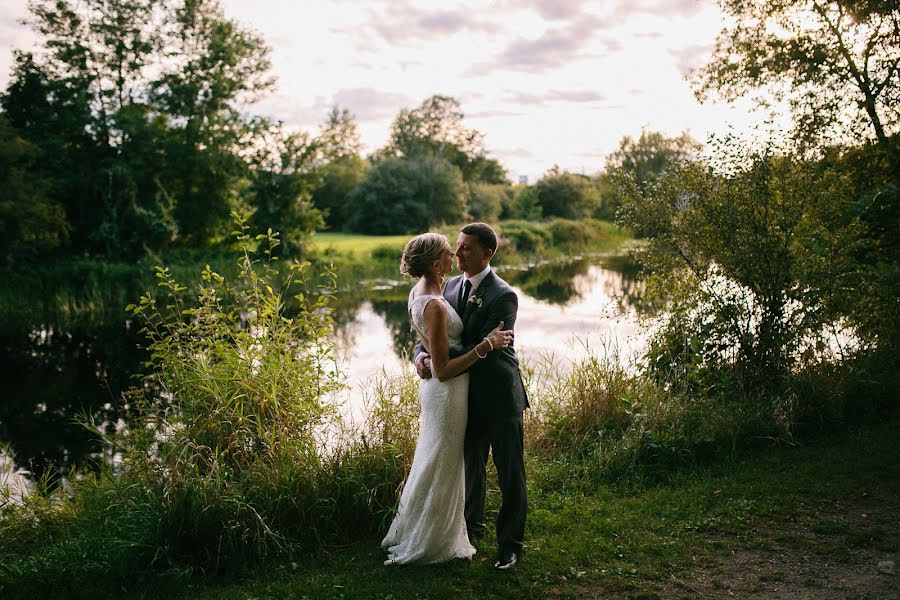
[486,235]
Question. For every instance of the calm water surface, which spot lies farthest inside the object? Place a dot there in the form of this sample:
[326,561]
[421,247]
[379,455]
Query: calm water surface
[54,375]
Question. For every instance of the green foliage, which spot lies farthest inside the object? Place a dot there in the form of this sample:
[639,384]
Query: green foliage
[524,238]
[32,224]
[137,109]
[643,160]
[407,196]
[751,253]
[834,62]
[566,195]
[521,204]
[486,201]
[339,178]
[285,173]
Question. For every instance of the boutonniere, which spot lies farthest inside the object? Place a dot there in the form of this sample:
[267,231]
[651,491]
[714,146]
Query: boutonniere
[476,300]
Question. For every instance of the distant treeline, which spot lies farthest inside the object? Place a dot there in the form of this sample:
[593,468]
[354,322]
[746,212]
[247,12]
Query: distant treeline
[126,133]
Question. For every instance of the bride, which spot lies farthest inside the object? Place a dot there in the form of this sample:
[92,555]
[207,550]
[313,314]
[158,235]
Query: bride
[430,526]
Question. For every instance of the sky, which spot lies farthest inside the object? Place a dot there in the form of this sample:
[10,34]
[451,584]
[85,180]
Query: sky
[547,82]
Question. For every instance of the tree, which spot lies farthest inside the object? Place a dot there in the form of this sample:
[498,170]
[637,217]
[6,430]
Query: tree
[343,167]
[338,180]
[339,136]
[216,66]
[642,160]
[138,108]
[31,224]
[407,196]
[834,61]
[486,201]
[760,253]
[435,128]
[283,176]
[53,118]
[566,195]
[101,49]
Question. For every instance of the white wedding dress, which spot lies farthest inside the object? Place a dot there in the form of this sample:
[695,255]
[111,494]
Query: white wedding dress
[430,526]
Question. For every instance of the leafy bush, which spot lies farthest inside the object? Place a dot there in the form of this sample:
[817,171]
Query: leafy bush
[402,195]
[738,246]
[235,453]
[567,195]
[524,237]
[575,235]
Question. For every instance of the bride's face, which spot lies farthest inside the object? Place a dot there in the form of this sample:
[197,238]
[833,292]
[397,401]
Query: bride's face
[446,261]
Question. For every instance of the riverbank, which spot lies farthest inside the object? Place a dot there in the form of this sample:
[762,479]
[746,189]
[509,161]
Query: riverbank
[805,521]
[97,290]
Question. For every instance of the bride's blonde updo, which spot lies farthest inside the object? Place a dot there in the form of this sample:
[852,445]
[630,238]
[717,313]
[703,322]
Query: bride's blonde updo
[421,252]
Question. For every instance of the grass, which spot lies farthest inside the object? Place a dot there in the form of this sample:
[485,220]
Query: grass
[356,245]
[621,539]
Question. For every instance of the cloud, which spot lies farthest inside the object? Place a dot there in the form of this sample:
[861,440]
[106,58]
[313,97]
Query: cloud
[554,48]
[559,9]
[13,36]
[397,23]
[366,104]
[554,96]
[511,152]
[369,104]
[689,58]
[661,8]
[490,114]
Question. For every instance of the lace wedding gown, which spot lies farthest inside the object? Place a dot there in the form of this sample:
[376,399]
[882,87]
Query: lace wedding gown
[430,526]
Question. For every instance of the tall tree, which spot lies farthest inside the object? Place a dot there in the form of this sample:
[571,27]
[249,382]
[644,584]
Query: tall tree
[343,169]
[284,174]
[102,49]
[339,135]
[435,128]
[216,65]
[54,118]
[31,224]
[834,61]
[70,102]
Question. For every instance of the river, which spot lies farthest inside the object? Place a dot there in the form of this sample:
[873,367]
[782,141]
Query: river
[55,375]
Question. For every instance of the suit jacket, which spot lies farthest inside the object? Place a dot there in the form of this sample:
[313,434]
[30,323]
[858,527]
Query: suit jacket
[495,383]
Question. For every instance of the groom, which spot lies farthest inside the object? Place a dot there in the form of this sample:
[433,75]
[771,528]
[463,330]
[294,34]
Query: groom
[496,393]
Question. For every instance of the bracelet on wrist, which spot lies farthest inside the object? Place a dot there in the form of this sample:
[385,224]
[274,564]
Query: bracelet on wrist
[488,340]
[477,353]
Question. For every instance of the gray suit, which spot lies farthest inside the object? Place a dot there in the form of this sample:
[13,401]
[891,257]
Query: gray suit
[497,399]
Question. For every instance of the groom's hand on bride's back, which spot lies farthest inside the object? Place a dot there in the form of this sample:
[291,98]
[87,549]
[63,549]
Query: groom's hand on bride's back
[423,365]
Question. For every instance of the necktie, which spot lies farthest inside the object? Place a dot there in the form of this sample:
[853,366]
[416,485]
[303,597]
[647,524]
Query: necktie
[464,297]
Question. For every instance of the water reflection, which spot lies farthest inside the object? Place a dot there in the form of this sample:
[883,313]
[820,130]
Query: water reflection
[52,375]
[564,309]
[555,283]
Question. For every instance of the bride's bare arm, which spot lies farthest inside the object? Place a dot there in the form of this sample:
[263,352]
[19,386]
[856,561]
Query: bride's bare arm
[442,365]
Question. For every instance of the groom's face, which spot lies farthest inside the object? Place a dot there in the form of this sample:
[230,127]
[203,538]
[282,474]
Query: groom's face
[471,258]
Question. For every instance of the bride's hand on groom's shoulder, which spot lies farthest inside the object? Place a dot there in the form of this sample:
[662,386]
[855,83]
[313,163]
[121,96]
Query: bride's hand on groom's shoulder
[423,366]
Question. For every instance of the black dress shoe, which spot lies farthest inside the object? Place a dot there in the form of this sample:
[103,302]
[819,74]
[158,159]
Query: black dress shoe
[505,560]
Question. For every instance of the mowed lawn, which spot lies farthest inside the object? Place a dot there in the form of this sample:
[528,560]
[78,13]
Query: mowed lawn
[355,244]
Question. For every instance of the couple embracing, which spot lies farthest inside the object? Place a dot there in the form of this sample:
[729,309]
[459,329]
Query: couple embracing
[471,399]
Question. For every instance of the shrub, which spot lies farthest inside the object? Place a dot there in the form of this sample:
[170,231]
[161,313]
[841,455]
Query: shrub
[524,237]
